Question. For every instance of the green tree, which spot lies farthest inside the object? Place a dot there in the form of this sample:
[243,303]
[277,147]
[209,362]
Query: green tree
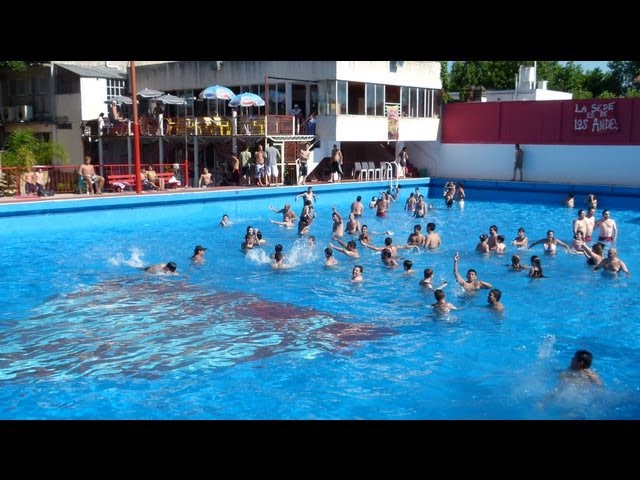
[599,82]
[493,75]
[624,73]
[13,65]
[24,150]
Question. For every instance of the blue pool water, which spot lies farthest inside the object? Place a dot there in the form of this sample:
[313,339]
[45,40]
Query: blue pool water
[85,334]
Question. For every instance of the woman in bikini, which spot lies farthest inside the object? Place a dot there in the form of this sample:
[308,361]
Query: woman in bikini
[550,242]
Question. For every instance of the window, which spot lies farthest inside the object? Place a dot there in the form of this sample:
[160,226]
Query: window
[40,85]
[405,101]
[16,87]
[66,82]
[115,87]
[380,100]
[341,98]
[421,97]
[371,99]
[356,98]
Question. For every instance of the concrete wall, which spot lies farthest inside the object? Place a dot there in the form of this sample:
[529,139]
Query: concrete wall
[198,75]
[409,74]
[94,94]
[573,165]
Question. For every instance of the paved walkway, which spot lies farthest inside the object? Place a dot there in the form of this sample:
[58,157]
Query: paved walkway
[75,196]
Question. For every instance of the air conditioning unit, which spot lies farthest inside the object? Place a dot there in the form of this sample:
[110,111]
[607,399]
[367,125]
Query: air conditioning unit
[8,114]
[24,113]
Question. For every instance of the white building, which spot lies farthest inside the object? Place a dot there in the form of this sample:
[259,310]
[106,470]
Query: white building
[352,99]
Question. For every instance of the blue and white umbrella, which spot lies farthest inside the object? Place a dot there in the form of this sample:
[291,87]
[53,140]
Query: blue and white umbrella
[246,99]
[217,92]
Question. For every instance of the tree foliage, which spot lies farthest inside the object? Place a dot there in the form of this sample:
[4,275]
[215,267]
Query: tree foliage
[13,65]
[494,75]
[24,150]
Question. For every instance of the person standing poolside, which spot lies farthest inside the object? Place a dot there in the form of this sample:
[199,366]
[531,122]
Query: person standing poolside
[403,159]
[245,165]
[336,164]
[579,370]
[273,157]
[86,170]
[518,162]
[608,228]
[205,179]
[302,161]
[259,159]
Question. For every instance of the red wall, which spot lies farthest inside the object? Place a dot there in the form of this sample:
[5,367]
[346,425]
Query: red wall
[562,122]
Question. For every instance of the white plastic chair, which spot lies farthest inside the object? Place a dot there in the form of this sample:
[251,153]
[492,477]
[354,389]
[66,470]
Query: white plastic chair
[359,171]
[376,171]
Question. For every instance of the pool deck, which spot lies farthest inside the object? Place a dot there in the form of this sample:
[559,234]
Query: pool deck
[66,202]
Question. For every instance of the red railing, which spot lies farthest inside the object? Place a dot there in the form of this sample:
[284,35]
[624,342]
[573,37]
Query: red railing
[64,178]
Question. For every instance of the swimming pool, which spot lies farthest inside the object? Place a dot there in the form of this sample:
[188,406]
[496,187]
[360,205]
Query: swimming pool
[86,334]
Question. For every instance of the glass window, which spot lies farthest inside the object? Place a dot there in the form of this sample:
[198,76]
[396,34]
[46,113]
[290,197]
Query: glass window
[341,103]
[371,99]
[313,93]
[356,98]
[392,94]
[115,87]
[405,101]
[421,95]
[380,100]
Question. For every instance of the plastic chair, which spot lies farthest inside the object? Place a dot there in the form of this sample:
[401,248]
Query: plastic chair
[377,171]
[359,170]
[82,186]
